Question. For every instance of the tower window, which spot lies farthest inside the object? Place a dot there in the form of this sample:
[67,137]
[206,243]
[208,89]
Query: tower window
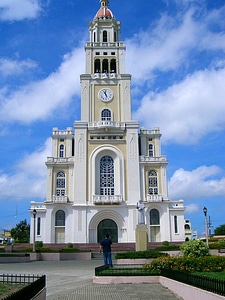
[106,175]
[115,36]
[105,66]
[175,224]
[152,183]
[104,36]
[113,66]
[61,151]
[97,66]
[105,53]
[38,226]
[106,115]
[60,183]
[150,150]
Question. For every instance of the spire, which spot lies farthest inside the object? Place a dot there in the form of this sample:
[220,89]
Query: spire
[104,3]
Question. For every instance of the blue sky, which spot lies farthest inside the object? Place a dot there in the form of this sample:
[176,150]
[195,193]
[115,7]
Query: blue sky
[176,55]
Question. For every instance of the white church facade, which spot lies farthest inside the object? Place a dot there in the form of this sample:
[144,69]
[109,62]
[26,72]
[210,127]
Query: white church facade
[105,164]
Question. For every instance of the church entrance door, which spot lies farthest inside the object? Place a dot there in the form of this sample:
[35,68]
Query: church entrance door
[107,226]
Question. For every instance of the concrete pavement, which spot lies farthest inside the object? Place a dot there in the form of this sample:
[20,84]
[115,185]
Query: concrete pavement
[68,280]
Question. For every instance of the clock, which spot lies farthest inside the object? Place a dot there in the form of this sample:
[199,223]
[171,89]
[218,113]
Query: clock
[105,94]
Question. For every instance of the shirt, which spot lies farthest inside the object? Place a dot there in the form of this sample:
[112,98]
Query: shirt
[106,245]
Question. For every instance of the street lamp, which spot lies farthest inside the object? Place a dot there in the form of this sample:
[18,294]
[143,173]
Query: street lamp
[34,212]
[206,226]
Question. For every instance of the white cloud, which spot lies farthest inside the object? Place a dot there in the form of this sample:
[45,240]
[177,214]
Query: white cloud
[192,208]
[187,111]
[10,67]
[29,177]
[38,100]
[16,10]
[201,182]
[161,48]
[167,45]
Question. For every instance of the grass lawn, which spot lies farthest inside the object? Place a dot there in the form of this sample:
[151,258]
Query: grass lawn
[117,271]
[7,289]
[128,272]
[217,275]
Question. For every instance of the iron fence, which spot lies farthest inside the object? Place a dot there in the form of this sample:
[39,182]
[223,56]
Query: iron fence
[213,285]
[33,284]
[124,270]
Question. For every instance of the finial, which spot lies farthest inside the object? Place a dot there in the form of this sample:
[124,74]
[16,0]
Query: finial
[104,2]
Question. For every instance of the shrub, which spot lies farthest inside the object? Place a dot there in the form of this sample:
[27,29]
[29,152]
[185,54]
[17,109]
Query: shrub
[69,246]
[38,244]
[194,248]
[46,250]
[212,263]
[139,254]
[165,243]
[168,248]
[70,250]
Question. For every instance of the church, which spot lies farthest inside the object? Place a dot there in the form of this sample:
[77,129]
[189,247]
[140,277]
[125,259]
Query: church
[105,165]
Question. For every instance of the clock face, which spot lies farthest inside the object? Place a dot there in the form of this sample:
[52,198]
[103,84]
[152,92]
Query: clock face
[105,94]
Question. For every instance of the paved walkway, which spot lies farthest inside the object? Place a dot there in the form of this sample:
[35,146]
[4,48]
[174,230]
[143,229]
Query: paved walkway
[68,280]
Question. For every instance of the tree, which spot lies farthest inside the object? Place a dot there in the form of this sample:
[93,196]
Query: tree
[21,233]
[220,230]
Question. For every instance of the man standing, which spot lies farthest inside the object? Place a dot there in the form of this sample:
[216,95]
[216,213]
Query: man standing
[105,247]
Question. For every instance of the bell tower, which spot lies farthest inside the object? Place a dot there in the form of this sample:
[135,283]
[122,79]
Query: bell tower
[105,85]
[106,132]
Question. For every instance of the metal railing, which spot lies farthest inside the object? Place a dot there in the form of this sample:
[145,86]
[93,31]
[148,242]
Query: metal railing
[213,285]
[124,270]
[33,285]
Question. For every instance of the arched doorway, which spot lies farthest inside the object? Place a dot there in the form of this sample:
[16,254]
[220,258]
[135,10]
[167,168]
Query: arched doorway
[107,226]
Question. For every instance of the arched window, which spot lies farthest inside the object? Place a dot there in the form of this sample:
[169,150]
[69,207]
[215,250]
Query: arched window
[104,36]
[106,115]
[152,183]
[106,175]
[94,37]
[175,224]
[60,218]
[154,217]
[105,66]
[187,227]
[61,151]
[60,183]
[97,66]
[150,150]
[113,66]
[115,36]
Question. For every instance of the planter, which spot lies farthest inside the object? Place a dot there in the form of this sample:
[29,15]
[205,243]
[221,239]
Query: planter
[136,261]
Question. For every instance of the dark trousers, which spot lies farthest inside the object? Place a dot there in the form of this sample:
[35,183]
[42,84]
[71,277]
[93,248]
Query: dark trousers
[107,258]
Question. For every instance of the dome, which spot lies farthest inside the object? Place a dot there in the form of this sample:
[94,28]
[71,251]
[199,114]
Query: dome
[104,12]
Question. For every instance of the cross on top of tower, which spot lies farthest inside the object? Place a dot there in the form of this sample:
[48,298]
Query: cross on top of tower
[104,2]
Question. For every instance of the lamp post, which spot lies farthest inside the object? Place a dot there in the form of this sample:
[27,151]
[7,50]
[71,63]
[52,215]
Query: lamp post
[206,226]
[34,212]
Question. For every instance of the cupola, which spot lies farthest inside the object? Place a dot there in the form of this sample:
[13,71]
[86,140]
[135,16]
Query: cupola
[104,12]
